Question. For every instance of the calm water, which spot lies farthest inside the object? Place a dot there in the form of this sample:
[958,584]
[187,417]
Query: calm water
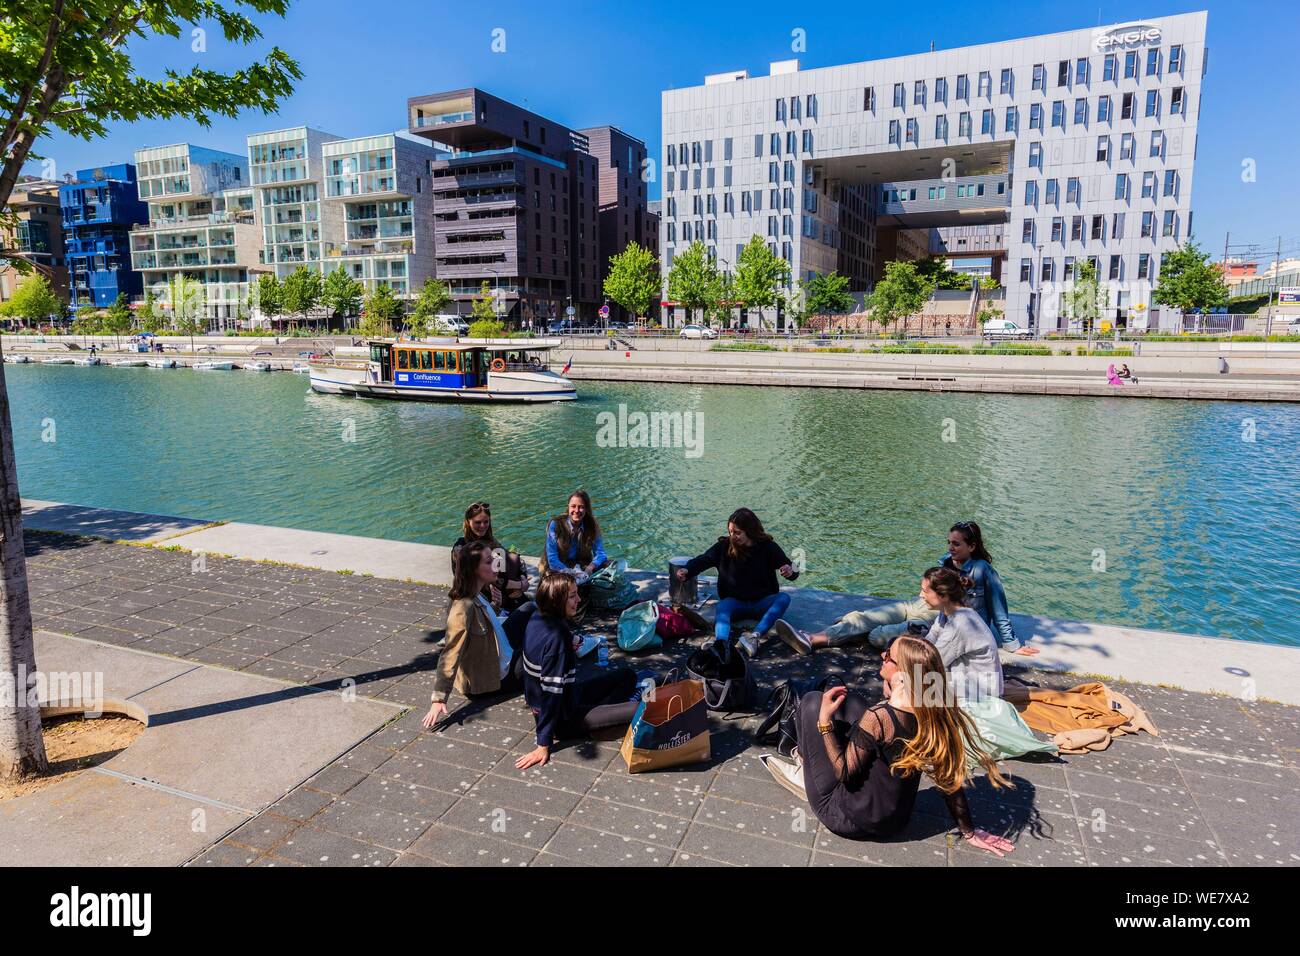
[1197,526]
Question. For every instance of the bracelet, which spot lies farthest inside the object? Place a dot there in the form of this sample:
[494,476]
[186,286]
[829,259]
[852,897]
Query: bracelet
[824,728]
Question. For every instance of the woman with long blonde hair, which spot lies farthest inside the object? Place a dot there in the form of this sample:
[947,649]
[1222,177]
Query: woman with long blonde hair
[860,766]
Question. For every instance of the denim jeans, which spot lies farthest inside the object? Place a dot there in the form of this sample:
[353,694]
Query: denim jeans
[765,610]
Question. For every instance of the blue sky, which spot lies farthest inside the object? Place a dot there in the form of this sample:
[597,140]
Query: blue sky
[585,64]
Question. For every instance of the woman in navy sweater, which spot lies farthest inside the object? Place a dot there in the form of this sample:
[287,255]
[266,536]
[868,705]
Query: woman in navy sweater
[748,561]
[563,706]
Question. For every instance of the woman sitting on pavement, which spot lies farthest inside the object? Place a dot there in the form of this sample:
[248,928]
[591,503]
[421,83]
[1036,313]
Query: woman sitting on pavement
[748,561]
[860,766]
[573,541]
[984,594]
[477,657]
[512,575]
[562,705]
[877,625]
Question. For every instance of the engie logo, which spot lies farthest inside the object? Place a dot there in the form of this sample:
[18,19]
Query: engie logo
[1126,35]
[103,909]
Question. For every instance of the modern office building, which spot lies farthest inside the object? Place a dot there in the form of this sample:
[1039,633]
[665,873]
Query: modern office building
[516,204]
[1072,146]
[380,205]
[202,225]
[100,206]
[624,215]
[35,232]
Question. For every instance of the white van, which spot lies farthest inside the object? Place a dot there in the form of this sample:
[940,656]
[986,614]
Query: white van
[450,324]
[1004,329]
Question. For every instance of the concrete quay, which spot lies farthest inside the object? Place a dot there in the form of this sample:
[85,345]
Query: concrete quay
[284,706]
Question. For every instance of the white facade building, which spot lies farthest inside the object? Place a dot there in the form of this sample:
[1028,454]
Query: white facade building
[1074,146]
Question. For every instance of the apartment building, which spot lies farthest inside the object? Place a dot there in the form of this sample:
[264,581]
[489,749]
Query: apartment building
[379,201]
[202,225]
[516,203]
[1079,145]
[36,233]
[286,172]
[624,212]
[99,207]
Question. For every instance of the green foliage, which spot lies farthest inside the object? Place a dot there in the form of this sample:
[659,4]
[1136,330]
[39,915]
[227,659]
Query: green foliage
[118,320]
[741,347]
[270,296]
[760,275]
[434,298]
[901,294]
[634,281]
[693,280]
[487,329]
[1189,281]
[937,271]
[301,291]
[150,317]
[828,293]
[1087,298]
[380,312]
[33,300]
[341,294]
[483,308]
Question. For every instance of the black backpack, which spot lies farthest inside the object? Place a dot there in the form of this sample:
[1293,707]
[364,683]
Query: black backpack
[781,725]
[728,686]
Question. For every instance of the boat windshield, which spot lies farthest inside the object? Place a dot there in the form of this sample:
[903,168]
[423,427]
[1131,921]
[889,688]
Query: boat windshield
[523,360]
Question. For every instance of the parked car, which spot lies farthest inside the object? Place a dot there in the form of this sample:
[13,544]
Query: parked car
[1004,329]
[450,324]
[698,332]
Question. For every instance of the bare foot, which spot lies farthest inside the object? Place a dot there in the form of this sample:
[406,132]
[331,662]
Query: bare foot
[1026,650]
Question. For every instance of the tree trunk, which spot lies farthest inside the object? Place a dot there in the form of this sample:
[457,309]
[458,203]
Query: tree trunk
[22,748]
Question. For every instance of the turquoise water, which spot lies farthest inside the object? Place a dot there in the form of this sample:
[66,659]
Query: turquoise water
[1195,523]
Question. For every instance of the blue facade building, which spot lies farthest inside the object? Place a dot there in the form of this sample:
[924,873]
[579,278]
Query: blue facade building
[99,209]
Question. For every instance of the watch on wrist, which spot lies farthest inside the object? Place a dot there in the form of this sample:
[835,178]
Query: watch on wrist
[825,728]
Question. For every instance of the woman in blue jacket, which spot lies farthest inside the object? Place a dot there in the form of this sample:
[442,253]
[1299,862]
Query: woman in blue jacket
[984,594]
[562,705]
[573,539]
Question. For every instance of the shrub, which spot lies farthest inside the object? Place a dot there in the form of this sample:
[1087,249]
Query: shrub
[487,329]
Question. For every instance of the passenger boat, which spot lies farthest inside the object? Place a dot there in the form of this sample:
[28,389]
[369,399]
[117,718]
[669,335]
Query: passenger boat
[160,362]
[213,366]
[485,370]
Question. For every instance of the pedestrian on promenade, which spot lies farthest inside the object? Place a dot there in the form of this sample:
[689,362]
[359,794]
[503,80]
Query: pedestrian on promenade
[563,706]
[860,765]
[477,657]
[968,556]
[512,575]
[748,561]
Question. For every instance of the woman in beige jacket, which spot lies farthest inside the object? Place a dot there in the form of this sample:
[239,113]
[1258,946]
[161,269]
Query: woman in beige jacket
[475,655]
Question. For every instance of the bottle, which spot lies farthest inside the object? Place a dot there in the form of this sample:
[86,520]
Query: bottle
[602,653]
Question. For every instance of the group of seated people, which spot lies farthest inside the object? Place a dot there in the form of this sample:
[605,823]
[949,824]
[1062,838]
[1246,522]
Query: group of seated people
[858,764]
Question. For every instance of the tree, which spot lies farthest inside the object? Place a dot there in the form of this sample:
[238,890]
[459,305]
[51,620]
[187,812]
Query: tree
[937,271]
[483,307]
[634,281]
[1188,281]
[117,320]
[760,276]
[901,294]
[433,299]
[67,67]
[34,301]
[693,279]
[341,294]
[381,309]
[723,300]
[828,292]
[270,296]
[301,291]
[148,316]
[1087,299]
[487,329]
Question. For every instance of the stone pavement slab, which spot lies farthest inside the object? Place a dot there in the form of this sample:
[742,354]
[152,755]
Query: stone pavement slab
[104,522]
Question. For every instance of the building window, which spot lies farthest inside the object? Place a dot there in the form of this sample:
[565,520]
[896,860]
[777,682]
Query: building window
[1098,227]
[1117,225]
[1171,182]
[1126,107]
[941,127]
[1025,266]
[1103,109]
[1049,269]
[1103,149]
[898,95]
[1035,116]
[1036,154]
[1031,193]
[1114,268]
[1076,229]
[1004,83]
[986,123]
[1126,146]
[1153,61]
[963,125]
[1010,121]
[1027,231]
[1058,229]
[985,88]
[918,93]
[1157,143]
[1110,67]
[1148,225]
[1080,112]
[1144,266]
[794,108]
[1073,191]
[1063,73]
[869,99]
[1153,103]
[941,90]
[1053,192]
[1121,186]
[1176,101]
[1130,65]
[1040,77]
[963,87]
[1176,59]
[758,145]
[1082,69]
[780,109]
[1058,114]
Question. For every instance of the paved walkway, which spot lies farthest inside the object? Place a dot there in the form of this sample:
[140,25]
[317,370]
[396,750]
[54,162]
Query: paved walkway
[1219,786]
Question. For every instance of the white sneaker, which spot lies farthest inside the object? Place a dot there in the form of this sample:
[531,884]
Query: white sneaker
[748,643]
[796,639]
[787,774]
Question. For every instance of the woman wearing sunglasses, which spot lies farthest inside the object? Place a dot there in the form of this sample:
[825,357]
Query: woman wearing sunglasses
[512,575]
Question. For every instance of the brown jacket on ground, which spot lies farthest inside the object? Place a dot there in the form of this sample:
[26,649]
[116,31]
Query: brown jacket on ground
[1085,717]
[470,662]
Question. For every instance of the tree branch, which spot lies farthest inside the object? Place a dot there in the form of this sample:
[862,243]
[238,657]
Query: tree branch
[51,41]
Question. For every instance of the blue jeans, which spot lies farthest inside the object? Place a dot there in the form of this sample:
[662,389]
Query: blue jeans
[766,610]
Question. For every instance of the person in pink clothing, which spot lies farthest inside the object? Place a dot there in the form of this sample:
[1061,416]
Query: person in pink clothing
[1111,376]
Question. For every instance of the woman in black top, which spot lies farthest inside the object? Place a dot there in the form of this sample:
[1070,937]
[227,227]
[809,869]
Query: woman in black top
[748,561]
[512,576]
[859,766]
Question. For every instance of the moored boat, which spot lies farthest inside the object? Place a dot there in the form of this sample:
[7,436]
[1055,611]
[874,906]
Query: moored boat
[58,360]
[16,359]
[129,363]
[213,365]
[495,370]
[88,360]
[256,366]
[160,362]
